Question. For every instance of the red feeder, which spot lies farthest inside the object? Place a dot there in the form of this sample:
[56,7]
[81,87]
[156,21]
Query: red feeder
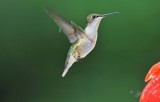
[151,92]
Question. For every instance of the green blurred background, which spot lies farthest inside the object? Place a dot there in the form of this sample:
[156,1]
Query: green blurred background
[33,52]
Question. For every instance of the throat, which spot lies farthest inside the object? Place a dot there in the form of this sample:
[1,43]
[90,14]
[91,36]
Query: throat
[92,28]
[91,31]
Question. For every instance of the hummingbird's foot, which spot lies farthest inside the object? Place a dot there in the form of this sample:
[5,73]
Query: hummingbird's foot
[79,59]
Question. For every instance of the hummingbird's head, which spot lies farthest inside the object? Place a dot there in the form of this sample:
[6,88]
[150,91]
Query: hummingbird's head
[97,17]
[93,17]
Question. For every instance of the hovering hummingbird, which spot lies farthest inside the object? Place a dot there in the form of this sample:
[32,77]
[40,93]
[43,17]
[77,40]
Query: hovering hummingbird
[83,41]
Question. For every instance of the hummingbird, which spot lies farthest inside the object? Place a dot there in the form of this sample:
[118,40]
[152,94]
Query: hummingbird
[83,41]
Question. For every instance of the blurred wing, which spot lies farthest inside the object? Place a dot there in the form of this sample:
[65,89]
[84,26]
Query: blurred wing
[71,30]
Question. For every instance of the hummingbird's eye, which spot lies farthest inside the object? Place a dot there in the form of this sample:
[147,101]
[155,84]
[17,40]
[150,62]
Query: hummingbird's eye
[94,16]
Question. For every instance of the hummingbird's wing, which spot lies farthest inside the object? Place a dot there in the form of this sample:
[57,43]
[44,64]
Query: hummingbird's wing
[71,30]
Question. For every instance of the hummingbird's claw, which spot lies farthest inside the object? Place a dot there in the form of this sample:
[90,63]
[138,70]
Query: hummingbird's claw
[79,59]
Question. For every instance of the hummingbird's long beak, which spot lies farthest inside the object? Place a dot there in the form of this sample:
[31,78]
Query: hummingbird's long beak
[103,15]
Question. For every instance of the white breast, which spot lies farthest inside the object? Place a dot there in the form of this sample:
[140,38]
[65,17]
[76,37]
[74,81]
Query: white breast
[92,28]
[91,31]
[85,48]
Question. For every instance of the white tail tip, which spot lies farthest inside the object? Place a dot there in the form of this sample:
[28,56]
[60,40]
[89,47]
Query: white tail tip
[64,73]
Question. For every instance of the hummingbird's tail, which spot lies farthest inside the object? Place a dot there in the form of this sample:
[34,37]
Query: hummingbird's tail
[69,62]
